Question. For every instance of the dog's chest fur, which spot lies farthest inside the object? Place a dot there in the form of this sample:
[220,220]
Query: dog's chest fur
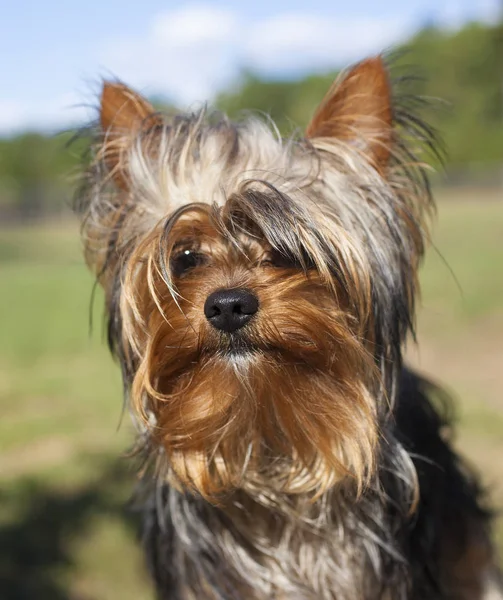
[335,548]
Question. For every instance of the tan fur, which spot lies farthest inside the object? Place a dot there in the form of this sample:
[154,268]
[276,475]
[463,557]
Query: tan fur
[275,444]
[358,109]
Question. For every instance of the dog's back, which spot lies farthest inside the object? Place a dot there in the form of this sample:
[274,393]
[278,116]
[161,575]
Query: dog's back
[447,541]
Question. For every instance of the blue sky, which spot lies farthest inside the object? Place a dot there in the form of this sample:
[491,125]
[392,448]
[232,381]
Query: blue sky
[52,58]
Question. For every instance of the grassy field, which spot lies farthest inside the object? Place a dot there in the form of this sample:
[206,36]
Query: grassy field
[65,532]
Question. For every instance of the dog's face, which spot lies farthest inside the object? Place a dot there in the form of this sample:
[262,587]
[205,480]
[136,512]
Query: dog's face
[248,359]
[250,312]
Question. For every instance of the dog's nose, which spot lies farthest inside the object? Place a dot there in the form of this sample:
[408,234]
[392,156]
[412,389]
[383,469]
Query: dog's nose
[229,310]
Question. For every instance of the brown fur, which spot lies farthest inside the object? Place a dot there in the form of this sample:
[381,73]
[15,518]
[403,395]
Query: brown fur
[301,342]
[289,454]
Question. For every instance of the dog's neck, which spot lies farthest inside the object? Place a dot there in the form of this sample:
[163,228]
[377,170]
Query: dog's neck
[271,546]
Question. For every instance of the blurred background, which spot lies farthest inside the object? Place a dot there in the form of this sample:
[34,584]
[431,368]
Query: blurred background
[65,528]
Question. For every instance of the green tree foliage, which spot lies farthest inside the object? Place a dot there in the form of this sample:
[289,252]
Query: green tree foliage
[464,69]
[289,103]
[461,68]
[36,172]
[460,73]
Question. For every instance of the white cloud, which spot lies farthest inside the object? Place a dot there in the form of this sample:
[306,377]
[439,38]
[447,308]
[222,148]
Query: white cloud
[193,26]
[11,115]
[302,41]
[187,53]
[62,112]
[489,11]
[452,14]
[191,53]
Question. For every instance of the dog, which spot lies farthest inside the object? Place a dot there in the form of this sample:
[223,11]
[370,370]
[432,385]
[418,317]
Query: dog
[259,293]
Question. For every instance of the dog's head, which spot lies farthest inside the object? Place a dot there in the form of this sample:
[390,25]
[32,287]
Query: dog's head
[258,289]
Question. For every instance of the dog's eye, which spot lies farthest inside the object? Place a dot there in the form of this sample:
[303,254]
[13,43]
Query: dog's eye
[284,260]
[186,260]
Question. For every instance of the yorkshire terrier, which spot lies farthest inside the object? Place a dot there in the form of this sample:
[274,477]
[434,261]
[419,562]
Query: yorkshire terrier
[259,293]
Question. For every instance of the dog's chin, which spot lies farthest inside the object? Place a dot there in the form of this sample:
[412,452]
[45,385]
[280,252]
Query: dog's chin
[239,348]
[240,411]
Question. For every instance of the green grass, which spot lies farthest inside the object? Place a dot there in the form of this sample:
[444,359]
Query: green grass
[63,483]
[460,278]
[65,486]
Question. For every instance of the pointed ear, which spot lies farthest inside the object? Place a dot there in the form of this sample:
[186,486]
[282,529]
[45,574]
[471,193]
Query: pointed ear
[357,109]
[123,115]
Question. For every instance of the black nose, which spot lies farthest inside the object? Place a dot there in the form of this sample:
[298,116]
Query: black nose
[229,310]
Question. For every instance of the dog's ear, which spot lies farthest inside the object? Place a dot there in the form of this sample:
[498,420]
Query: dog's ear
[124,115]
[358,109]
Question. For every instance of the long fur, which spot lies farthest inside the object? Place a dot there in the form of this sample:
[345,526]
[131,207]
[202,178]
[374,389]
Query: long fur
[297,459]
[336,549]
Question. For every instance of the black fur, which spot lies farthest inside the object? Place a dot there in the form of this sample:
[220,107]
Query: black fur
[450,497]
